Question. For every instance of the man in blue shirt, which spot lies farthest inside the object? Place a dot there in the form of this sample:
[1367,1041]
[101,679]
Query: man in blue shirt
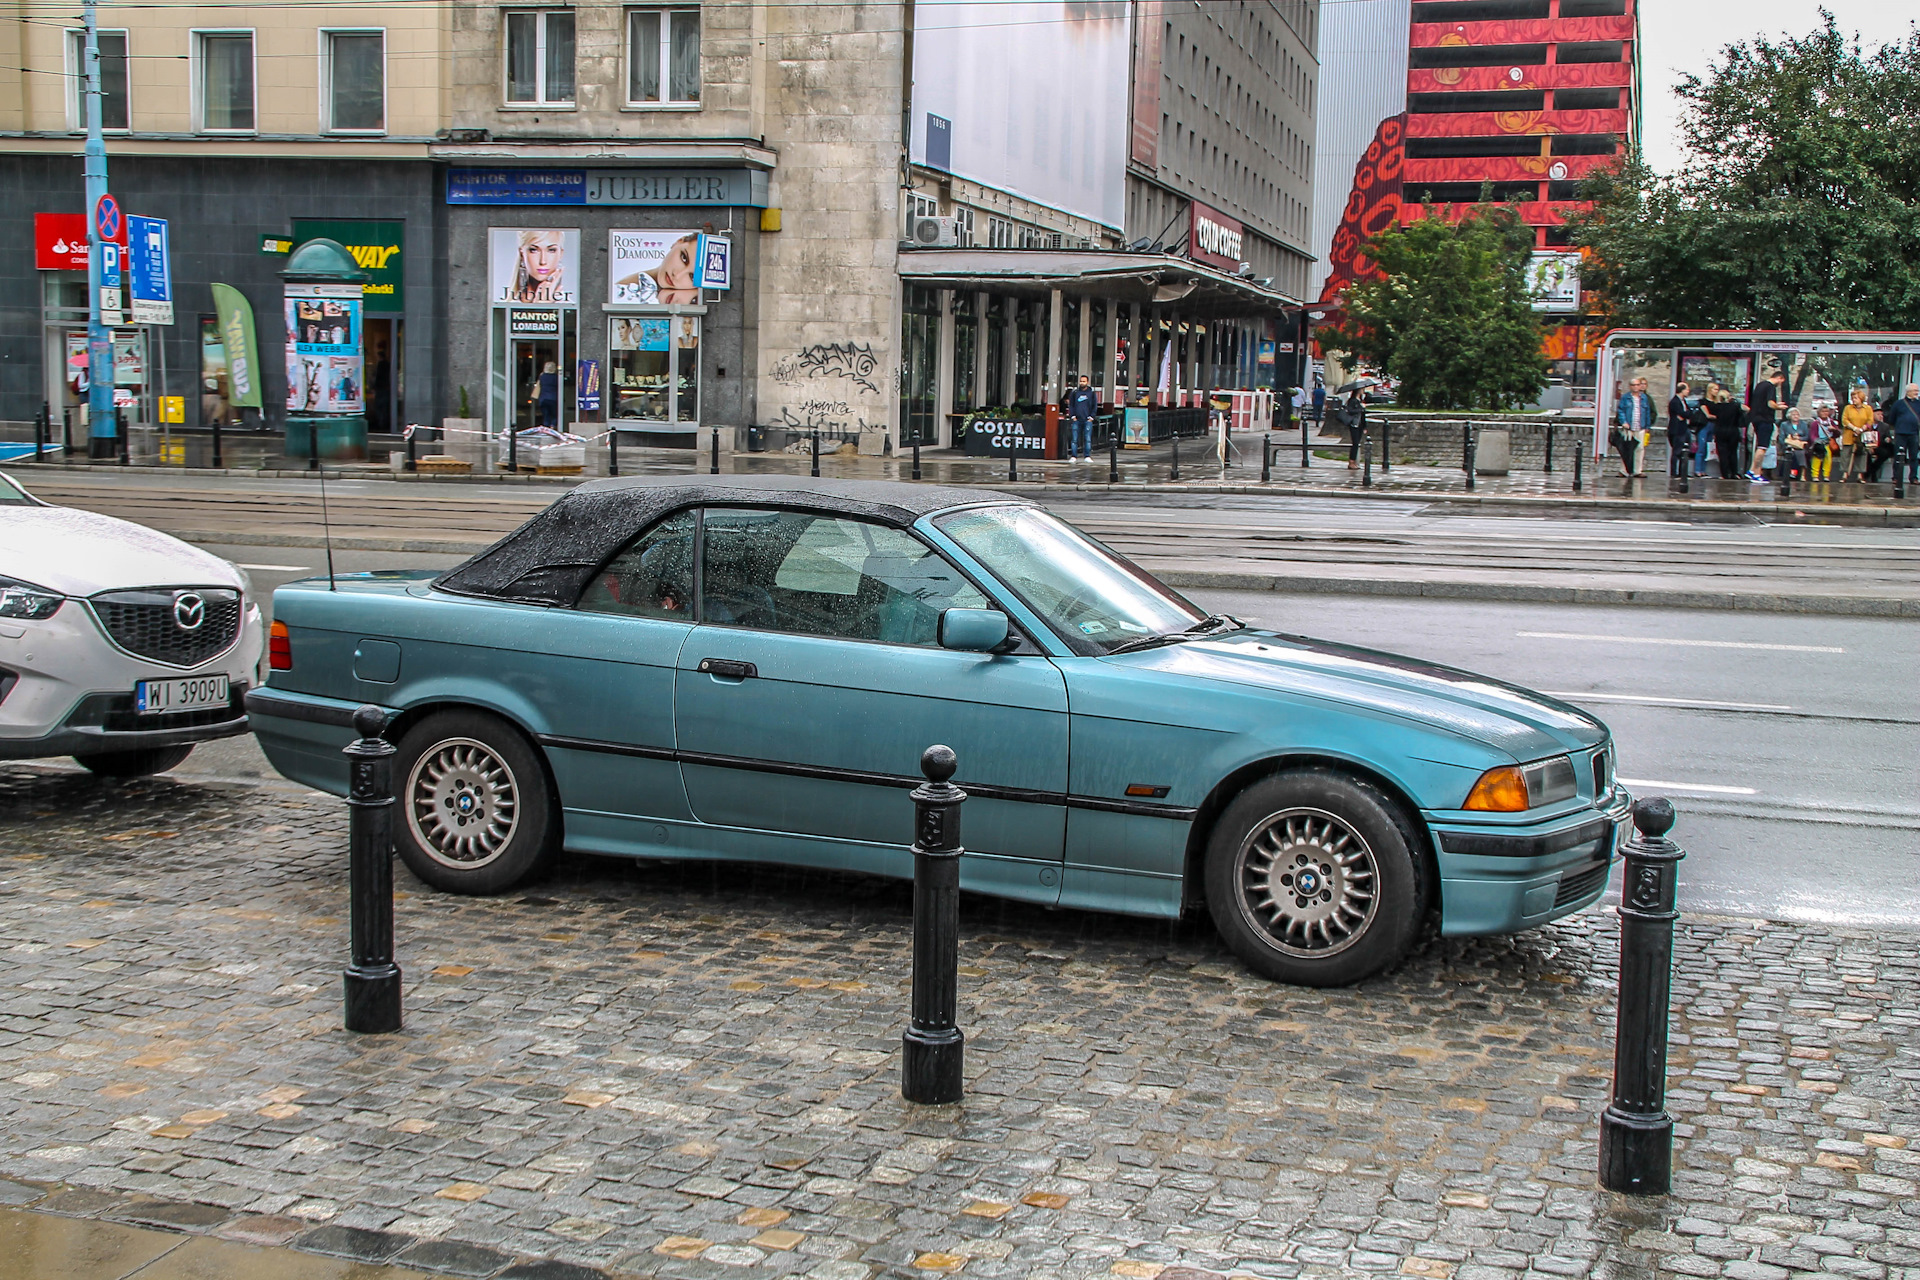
[1905,423]
[1634,413]
[1082,403]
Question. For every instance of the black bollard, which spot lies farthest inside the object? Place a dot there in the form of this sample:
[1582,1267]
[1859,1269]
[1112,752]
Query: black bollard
[217,462]
[1549,467]
[1899,465]
[1579,458]
[1366,458]
[1266,459]
[42,424]
[1636,1133]
[1386,445]
[916,459]
[1466,451]
[372,979]
[1306,455]
[1783,472]
[313,444]
[713,465]
[413,450]
[1472,459]
[1013,457]
[513,451]
[120,428]
[816,452]
[935,1048]
[1113,451]
[66,432]
[1176,453]
[613,451]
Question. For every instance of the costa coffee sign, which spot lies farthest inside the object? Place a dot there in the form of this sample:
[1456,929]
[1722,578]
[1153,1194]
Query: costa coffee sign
[1214,238]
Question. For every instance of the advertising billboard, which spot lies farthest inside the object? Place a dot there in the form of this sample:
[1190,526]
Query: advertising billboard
[653,268]
[1031,98]
[533,264]
[323,348]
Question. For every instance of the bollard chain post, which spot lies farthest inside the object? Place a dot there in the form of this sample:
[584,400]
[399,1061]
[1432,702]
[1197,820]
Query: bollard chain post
[1579,460]
[413,451]
[916,459]
[120,426]
[1306,459]
[513,450]
[1549,467]
[1013,457]
[613,451]
[1266,458]
[1366,458]
[218,461]
[1472,460]
[933,1047]
[66,432]
[313,444]
[1686,468]
[713,455]
[42,424]
[1386,444]
[1113,451]
[816,453]
[372,979]
[1899,465]
[1636,1133]
[1176,453]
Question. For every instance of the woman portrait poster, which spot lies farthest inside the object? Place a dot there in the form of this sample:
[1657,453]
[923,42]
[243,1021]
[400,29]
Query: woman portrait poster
[653,268]
[533,265]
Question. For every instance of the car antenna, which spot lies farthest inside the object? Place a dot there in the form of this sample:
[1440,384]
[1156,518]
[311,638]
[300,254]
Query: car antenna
[326,527]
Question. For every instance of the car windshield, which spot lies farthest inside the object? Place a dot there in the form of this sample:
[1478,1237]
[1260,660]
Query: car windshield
[1093,599]
[12,495]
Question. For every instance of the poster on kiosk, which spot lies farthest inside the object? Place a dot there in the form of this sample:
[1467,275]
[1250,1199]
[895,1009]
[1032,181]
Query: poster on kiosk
[323,348]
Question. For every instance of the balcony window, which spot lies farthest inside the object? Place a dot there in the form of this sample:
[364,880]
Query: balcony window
[663,57]
[225,81]
[540,57]
[114,113]
[356,81]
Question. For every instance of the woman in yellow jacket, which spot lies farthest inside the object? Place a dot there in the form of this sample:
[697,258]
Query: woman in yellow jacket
[1855,418]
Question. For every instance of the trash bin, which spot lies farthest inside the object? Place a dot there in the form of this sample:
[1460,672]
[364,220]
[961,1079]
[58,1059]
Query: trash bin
[756,439]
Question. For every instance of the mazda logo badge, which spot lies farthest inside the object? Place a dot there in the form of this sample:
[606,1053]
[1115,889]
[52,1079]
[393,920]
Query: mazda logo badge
[189,611]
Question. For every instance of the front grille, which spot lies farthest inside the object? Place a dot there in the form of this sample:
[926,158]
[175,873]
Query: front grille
[115,713]
[148,623]
[1576,885]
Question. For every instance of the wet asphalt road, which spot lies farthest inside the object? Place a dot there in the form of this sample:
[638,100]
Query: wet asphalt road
[1788,743]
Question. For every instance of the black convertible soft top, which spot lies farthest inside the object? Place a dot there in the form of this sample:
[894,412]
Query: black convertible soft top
[550,558]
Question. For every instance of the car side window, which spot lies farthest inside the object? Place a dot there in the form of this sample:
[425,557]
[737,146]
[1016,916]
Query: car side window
[651,578]
[826,576]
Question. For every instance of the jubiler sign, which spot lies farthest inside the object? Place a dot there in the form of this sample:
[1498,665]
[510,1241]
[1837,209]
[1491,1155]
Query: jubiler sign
[1214,238]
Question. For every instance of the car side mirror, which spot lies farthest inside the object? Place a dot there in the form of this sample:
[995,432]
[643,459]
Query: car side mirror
[972,630]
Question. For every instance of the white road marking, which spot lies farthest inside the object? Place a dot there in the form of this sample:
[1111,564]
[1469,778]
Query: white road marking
[1691,644]
[281,568]
[1665,702]
[1700,787]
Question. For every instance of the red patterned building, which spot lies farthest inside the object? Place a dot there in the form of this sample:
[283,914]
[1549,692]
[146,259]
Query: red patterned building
[1527,96]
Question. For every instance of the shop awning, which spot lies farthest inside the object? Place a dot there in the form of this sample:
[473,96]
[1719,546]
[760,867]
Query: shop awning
[1190,287]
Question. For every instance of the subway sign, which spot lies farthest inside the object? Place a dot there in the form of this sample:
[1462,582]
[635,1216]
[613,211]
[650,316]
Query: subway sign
[376,249]
[1214,238]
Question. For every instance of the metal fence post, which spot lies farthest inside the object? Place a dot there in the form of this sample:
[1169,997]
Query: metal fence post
[933,1046]
[816,452]
[1636,1133]
[1472,450]
[1266,458]
[372,979]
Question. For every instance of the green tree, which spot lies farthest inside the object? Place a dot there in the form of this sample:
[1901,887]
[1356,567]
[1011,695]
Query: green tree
[1453,317]
[1799,208]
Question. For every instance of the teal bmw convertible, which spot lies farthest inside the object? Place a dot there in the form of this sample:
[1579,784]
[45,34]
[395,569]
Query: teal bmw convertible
[748,668]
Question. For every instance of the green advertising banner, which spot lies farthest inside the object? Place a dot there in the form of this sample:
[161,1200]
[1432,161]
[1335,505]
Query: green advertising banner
[243,352]
[376,249]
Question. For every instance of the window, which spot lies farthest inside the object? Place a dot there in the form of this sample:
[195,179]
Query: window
[821,576]
[356,79]
[663,50]
[652,578]
[114,112]
[225,81]
[540,57]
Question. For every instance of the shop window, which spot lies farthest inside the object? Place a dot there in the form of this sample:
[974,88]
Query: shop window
[966,350]
[115,114]
[540,57]
[653,369]
[663,57]
[356,80]
[224,80]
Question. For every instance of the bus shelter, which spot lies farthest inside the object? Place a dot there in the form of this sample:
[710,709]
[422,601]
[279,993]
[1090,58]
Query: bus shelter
[1820,364]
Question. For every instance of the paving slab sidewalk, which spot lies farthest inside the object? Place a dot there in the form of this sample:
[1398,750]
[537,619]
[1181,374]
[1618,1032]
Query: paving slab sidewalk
[690,1070]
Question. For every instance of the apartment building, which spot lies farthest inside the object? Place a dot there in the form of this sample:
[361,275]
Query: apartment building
[1444,99]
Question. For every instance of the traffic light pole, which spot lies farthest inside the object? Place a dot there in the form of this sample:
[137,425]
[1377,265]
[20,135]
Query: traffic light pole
[99,336]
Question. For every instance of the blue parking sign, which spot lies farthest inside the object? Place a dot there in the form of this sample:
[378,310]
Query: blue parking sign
[151,270]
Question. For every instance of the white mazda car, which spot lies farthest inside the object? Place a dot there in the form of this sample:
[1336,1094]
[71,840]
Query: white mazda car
[119,646]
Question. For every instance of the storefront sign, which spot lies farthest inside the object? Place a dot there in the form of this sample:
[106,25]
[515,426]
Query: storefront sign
[276,246]
[746,188]
[376,250]
[653,268]
[151,273]
[243,352]
[60,241]
[533,322]
[323,348]
[1134,429]
[998,437]
[527,264]
[716,262]
[1554,279]
[1214,238]
[588,380]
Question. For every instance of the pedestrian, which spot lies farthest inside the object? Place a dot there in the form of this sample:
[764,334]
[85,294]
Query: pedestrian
[1769,400]
[1855,418]
[1351,413]
[1082,403]
[547,396]
[1702,418]
[1679,431]
[1633,422]
[1875,445]
[1823,435]
[1319,399]
[1792,457]
[1729,420]
[1905,422]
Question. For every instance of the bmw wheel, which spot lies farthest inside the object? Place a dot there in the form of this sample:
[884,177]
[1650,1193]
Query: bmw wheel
[475,809]
[1312,878]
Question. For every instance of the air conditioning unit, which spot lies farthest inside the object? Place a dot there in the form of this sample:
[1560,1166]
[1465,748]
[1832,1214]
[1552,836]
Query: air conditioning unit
[935,233]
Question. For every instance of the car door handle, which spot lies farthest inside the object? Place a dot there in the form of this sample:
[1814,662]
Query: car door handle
[728,669]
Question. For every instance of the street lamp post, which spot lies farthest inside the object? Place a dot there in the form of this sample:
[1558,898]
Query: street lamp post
[100,424]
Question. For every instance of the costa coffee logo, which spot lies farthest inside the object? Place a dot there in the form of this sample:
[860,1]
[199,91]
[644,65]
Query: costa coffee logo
[1216,238]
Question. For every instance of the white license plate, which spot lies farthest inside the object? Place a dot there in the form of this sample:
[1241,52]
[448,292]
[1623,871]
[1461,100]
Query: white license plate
[196,693]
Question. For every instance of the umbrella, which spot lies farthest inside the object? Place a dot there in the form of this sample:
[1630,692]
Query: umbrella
[1358,384]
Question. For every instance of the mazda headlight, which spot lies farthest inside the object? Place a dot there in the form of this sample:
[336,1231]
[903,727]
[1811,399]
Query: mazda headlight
[24,600]
[1512,788]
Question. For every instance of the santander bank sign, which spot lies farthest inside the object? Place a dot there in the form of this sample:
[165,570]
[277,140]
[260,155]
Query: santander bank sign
[1214,238]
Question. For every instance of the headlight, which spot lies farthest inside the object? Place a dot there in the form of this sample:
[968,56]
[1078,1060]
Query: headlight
[1511,788]
[24,600]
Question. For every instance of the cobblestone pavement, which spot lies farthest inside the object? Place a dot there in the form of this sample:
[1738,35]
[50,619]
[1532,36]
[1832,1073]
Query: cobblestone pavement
[692,1071]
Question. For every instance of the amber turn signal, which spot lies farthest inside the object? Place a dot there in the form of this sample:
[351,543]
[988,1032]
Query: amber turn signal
[279,648]
[1501,790]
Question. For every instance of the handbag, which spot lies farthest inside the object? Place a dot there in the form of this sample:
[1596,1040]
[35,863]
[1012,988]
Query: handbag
[1869,439]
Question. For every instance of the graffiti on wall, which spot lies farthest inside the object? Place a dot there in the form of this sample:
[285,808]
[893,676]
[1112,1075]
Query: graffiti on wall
[854,362]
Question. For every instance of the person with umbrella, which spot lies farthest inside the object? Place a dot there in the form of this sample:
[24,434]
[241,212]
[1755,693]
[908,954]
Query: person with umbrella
[1352,414]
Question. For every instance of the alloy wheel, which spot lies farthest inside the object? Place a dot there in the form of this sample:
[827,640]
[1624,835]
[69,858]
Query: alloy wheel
[462,804]
[1308,881]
